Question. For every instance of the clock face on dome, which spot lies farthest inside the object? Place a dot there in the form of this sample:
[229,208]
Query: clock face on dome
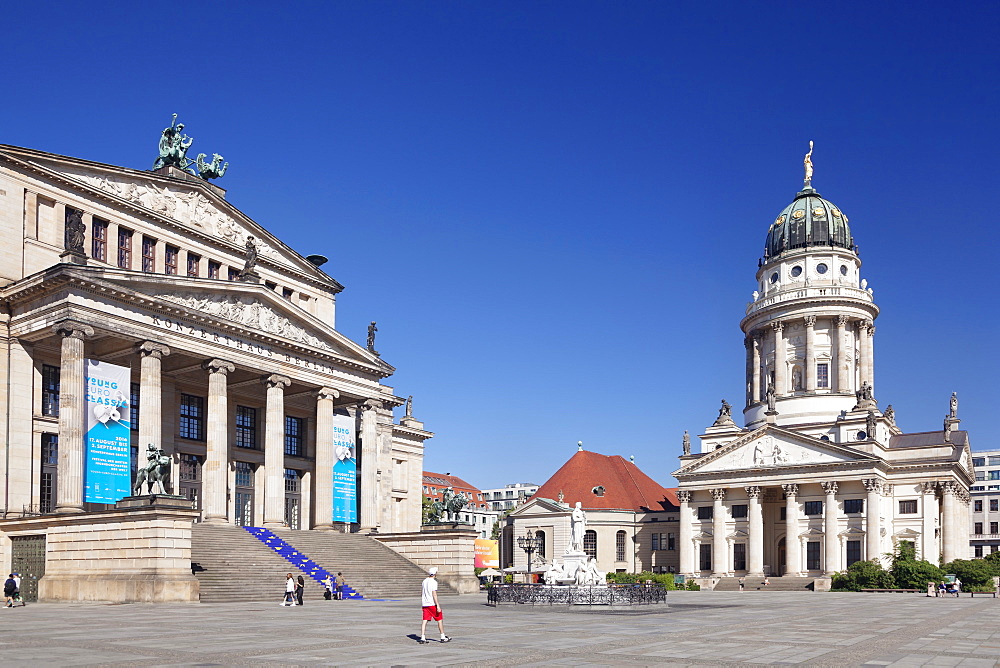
[798,214]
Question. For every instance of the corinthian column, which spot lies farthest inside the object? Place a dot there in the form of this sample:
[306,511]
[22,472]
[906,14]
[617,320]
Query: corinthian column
[810,357]
[949,535]
[873,524]
[69,468]
[214,481]
[843,368]
[755,558]
[720,555]
[864,362]
[686,556]
[780,365]
[151,392]
[756,392]
[369,465]
[323,494]
[793,551]
[831,547]
[929,512]
[871,354]
[274,450]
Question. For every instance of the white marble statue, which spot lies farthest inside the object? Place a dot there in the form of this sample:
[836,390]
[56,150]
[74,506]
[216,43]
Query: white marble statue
[578,525]
[554,573]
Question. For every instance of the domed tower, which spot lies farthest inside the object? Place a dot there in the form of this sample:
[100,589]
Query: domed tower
[809,327]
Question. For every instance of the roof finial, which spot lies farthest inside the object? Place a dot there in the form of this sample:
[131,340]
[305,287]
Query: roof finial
[579,446]
[808,164]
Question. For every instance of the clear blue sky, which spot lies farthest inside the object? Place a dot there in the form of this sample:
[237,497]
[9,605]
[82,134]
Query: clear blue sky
[554,210]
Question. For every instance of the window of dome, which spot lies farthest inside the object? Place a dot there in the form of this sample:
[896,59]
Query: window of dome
[774,277]
[821,268]
[843,270]
[798,214]
[818,212]
[796,271]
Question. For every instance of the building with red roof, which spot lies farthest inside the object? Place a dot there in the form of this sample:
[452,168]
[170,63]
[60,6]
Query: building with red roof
[477,512]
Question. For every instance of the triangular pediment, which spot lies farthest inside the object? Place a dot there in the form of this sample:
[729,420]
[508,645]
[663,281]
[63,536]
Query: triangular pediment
[538,505]
[772,447]
[190,203]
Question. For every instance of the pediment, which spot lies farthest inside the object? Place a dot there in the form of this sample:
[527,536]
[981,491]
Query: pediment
[772,447]
[541,505]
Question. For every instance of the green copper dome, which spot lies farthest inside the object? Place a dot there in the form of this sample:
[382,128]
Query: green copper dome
[809,221]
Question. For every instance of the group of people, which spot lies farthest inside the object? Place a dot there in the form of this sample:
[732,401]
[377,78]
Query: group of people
[12,590]
[945,588]
[295,588]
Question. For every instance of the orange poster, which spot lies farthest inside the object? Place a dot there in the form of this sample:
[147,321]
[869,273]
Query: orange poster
[487,553]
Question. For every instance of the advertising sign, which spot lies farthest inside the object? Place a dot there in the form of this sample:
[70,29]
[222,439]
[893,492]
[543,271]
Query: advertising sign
[107,469]
[487,553]
[345,469]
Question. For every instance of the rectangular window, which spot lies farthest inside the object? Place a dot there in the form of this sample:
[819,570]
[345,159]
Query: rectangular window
[814,507]
[99,240]
[124,248]
[977,528]
[979,461]
[656,542]
[978,550]
[294,429]
[50,390]
[908,507]
[980,475]
[244,474]
[993,505]
[740,511]
[590,543]
[246,427]
[620,539]
[292,480]
[233,274]
[148,254]
[47,481]
[190,468]
[704,512]
[739,556]
[994,475]
[993,527]
[977,506]
[671,544]
[705,557]
[994,460]
[214,269]
[782,513]
[192,422]
[193,262]
[170,259]
[812,555]
[270,285]
[823,375]
[286,293]
[133,406]
[854,505]
[853,551]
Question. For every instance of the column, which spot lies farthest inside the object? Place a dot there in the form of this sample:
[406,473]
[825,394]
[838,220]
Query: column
[369,465]
[863,361]
[871,355]
[755,547]
[151,355]
[748,344]
[793,550]
[758,393]
[274,450]
[831,547]
[810,362]
[720,555]
[948,524]
[780,366]
[214,479]
[843,363]
[323,494]
[873,524]
[687,555]
[69,469]
[929,511]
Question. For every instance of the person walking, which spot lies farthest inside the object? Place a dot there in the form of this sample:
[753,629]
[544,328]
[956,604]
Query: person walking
[300,588]
[431,606]
[328,587]
[338,586]
[742,583]
[289,590]
[10,590]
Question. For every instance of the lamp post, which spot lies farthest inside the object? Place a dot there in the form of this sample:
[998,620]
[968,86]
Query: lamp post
[530,544]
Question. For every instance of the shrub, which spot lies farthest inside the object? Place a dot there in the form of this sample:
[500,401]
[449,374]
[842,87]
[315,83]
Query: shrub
[909,573]
[665,579]
[864,575]
[692,586]
[974,573]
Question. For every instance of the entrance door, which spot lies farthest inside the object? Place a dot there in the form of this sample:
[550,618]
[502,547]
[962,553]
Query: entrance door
[244,494]
[28,560]
[781,557]
[293,498]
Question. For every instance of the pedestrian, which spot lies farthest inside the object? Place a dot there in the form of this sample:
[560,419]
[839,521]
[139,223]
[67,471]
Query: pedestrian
[339,586]
[328,587]
[10,590]
[767,580]
[289,590]
[431,606]
[300,588]
[742,583]
[17,590]
[958,587]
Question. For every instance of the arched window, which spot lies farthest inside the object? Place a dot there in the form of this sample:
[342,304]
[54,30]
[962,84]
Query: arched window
[540,535]
[590,543]
[620,546]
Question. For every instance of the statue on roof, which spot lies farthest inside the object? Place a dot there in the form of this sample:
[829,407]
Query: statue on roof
[687,443]
[174,145]
[725,414]
[807,163]
[76,231]
[870,423]
[371,337]
[409,406]
[771,396]
[211,170]
[250,258]
[948,426]
[890,415]
[953,405]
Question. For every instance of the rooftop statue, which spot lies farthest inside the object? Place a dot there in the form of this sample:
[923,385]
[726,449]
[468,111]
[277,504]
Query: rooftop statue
[953,405]
[250,257]
[211,170]
[174,145]
[687,443]
[371,337]
[76,231]
[409,406]
[807,163]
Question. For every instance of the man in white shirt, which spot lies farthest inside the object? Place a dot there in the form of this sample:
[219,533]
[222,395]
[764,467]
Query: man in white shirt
[431,606]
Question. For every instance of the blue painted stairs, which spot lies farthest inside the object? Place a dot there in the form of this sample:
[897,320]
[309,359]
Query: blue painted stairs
[300,561]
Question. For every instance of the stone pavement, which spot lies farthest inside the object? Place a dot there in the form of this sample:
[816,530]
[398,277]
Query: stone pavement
[696,629]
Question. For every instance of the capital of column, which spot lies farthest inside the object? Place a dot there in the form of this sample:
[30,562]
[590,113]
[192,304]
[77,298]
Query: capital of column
[777,326]
[276,380]
[718,493]
[326,393]
[867,326]
[218,366]
[371,404]
[753,491]
[928,487]
[791,489]
[872,484]
[887,490]
[842,320]
[152,349]
[73,329]
[748,342]
[684,496]
[829,487]
[810,321]
[948,487]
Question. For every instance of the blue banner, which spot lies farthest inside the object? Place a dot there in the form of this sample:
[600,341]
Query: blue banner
[107,468]
[345,469]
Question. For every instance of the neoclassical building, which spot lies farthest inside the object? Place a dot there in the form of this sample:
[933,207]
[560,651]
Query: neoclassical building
[234,366]
[820,475]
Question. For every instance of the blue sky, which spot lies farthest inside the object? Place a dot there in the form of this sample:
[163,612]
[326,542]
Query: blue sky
[554,210]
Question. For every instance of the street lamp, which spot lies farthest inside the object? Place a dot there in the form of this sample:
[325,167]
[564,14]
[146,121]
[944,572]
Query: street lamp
[530,544]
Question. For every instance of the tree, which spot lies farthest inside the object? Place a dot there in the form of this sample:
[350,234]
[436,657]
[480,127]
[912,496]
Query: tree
[425,510]
[974,573]
[908,572]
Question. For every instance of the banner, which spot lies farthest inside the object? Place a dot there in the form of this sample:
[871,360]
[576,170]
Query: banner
[345,469]
[487,553]
[107,468]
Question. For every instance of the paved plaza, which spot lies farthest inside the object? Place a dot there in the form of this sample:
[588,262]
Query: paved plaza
[697,629]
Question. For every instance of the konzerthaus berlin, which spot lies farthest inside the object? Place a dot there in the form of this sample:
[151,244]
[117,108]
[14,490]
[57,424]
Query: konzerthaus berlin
[234,366]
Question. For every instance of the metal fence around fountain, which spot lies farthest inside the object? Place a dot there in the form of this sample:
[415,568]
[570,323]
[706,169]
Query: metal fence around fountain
[613,594]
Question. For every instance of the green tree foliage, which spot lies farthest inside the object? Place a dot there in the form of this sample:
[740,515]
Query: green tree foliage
[425,510]
[910,573]
[863,575]
[665,579]
[974,573]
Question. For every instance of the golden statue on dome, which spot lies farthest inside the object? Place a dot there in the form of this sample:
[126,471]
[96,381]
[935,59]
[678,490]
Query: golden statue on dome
[807,162]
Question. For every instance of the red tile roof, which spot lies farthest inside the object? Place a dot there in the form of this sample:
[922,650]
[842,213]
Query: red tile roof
[447,480]
[625,486]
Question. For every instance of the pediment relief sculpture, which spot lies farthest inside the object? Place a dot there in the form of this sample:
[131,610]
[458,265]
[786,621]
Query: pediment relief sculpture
[768,451]
[249,312]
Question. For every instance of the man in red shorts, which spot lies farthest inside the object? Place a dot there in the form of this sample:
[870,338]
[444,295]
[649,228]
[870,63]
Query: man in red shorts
[431,606]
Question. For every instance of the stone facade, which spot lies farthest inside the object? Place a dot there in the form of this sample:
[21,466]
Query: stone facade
[448,547]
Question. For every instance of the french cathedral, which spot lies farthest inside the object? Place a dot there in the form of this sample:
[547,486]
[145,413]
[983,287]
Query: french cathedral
[820,476]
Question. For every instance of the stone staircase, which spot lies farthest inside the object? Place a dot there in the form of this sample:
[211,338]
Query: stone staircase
[787,583]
